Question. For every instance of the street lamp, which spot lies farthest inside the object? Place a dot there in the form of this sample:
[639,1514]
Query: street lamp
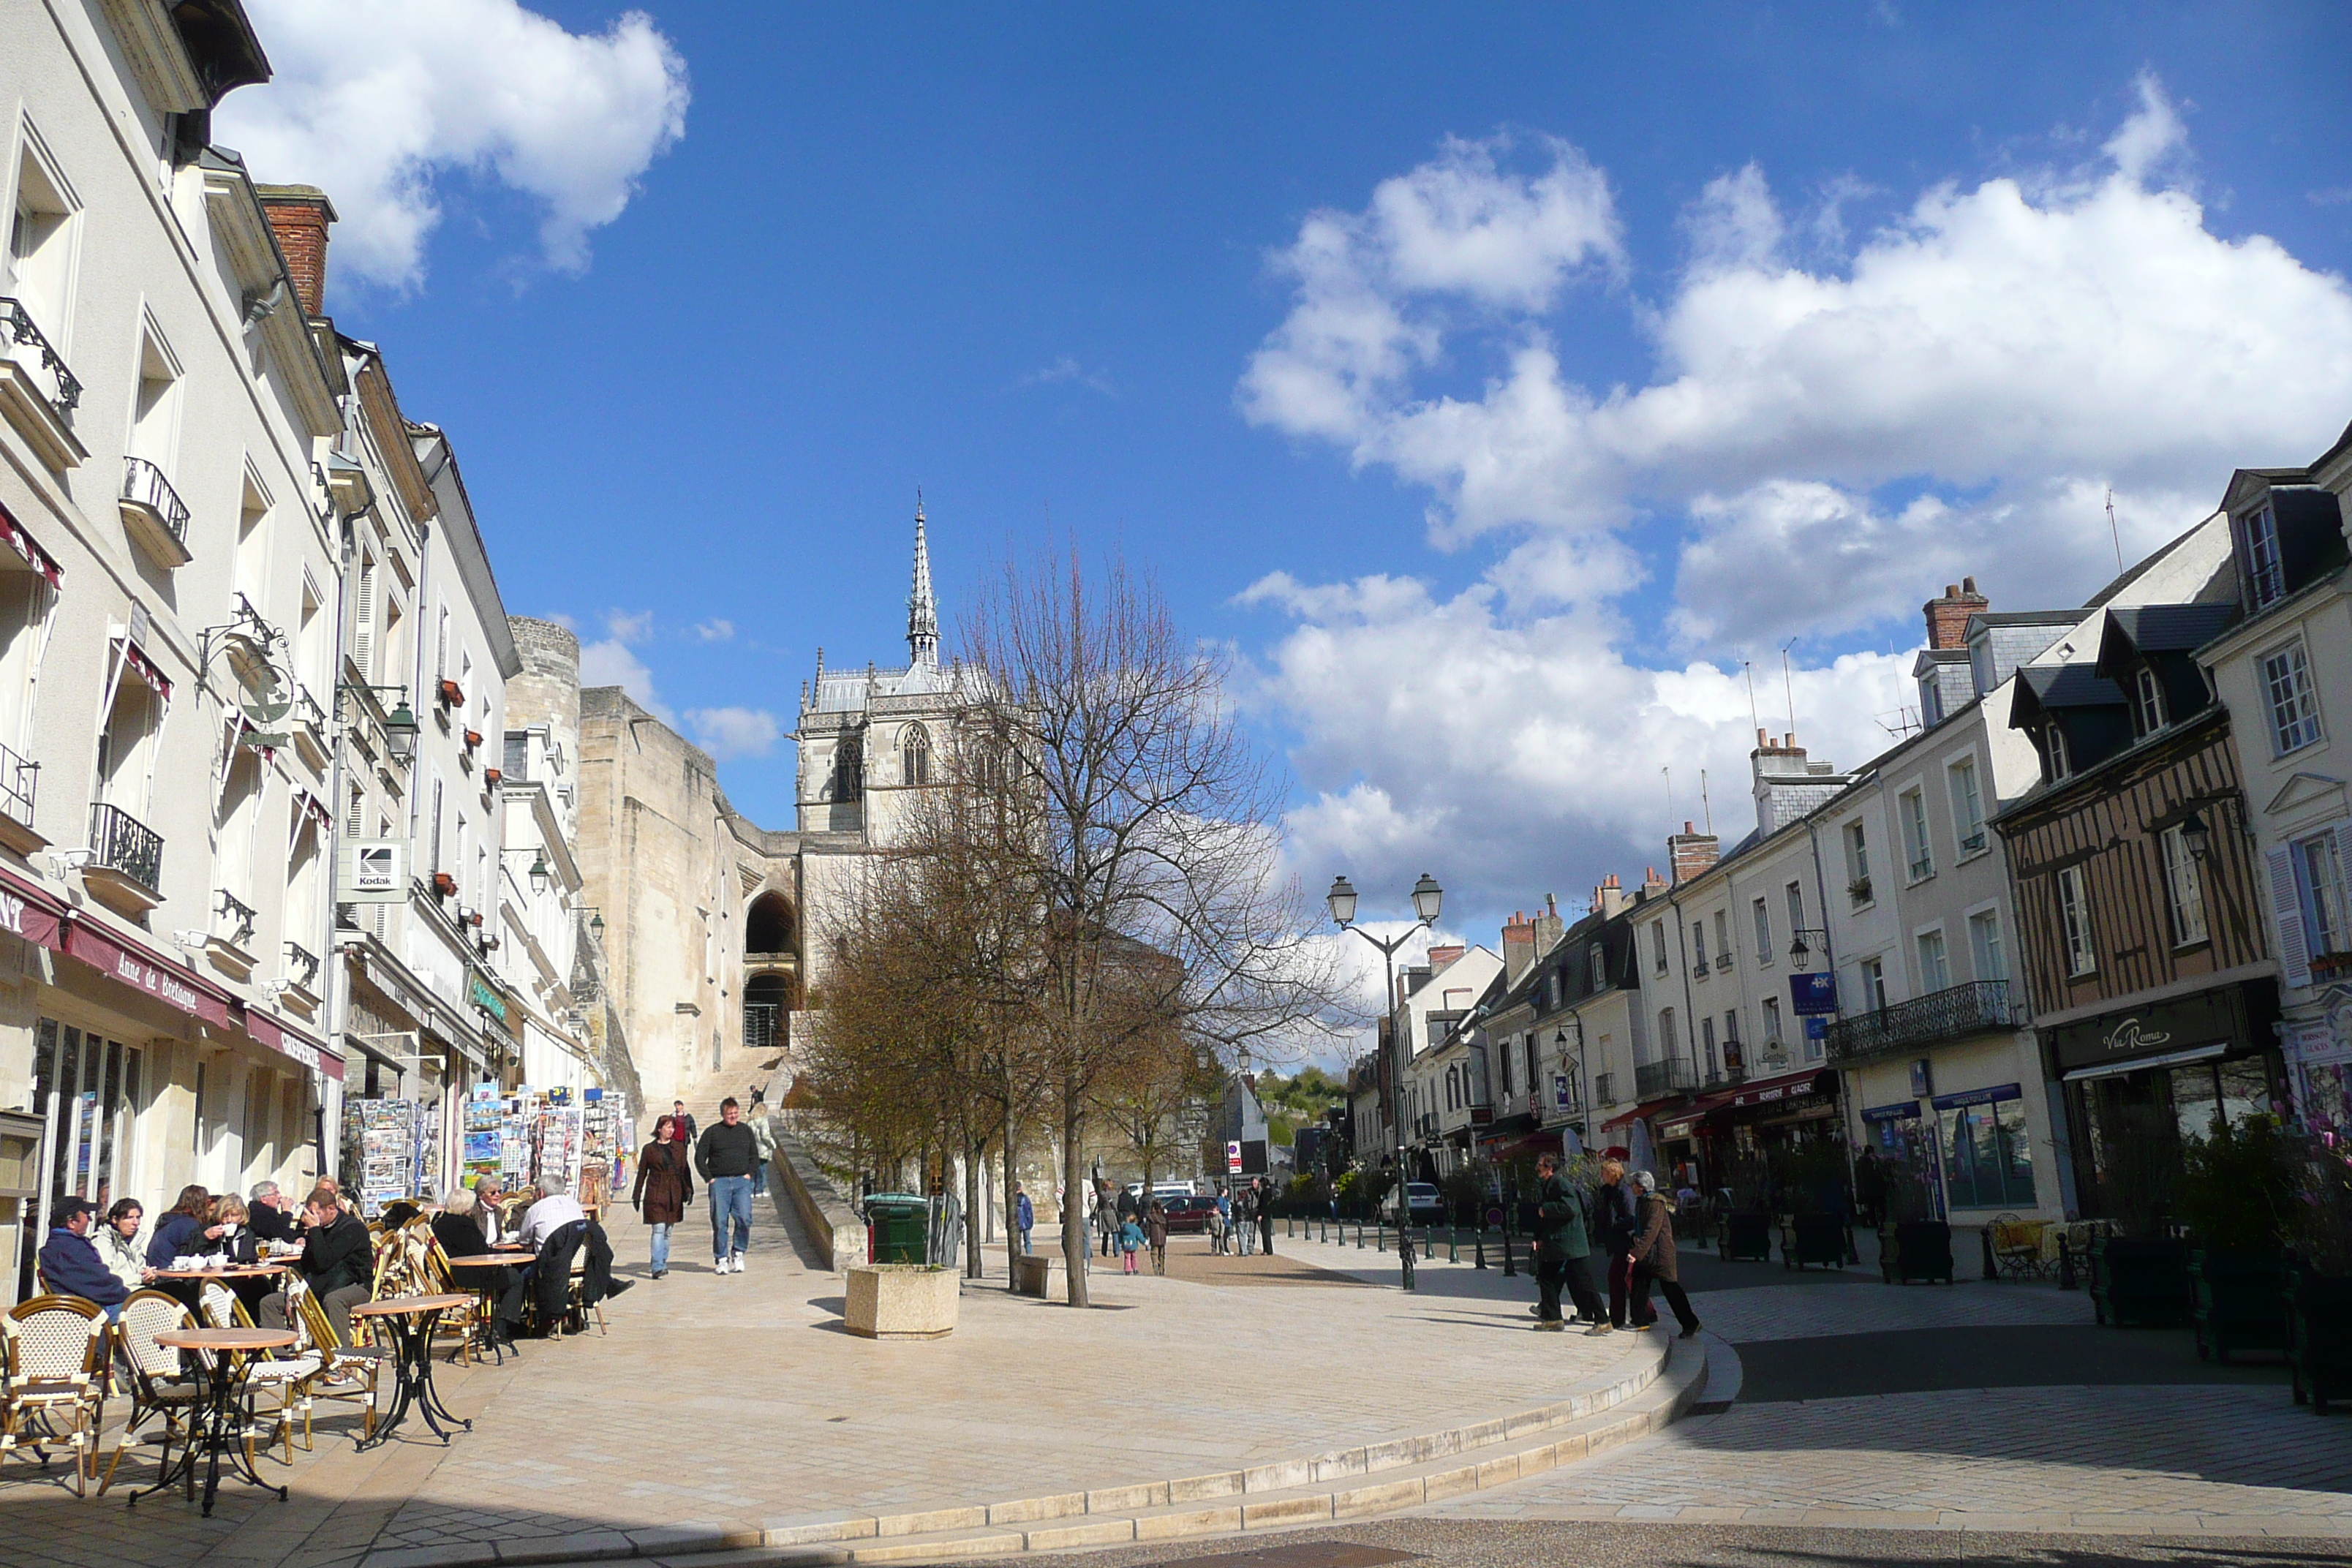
[1427,897]
[2196,835]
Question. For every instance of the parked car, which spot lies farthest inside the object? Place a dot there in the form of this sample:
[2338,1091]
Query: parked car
[1188,1212]
[1428,1208]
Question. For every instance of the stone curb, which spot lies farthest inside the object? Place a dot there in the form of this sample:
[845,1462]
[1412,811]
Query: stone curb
[830,1536]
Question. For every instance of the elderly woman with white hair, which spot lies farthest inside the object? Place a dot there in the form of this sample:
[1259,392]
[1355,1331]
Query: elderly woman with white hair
[459,1230]
[1653,1259]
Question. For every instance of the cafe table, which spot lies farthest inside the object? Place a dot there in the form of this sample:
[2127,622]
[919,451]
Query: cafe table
[224,1360]
[410,1319]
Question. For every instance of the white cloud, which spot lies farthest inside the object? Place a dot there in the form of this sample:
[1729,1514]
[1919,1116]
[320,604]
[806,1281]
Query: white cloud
[730,732]
[716,630]
[610,661]
[378,102]
[1068,372]
[1830,431]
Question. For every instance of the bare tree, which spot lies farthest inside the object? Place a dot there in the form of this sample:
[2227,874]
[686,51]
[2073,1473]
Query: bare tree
[1139,831]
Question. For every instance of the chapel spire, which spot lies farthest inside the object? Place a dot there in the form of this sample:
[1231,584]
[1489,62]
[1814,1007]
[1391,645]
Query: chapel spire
[922,608]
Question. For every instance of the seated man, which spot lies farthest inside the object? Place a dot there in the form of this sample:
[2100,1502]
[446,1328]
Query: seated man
[272,1215]
[337,1259]
[71,1263]
[555,1209]
[460,1235]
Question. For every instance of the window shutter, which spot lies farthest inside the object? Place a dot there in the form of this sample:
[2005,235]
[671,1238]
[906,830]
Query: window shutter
[2286,908]
[363,623]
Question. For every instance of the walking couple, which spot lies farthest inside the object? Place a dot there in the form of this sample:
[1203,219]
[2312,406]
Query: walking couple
[1634,1223]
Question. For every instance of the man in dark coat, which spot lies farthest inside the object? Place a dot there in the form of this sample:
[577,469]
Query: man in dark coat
[1562,1223]
[337,1259]
[1615,1222]
[71,1263]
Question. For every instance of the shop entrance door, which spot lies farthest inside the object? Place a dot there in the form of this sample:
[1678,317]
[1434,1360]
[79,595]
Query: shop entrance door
[87,1091]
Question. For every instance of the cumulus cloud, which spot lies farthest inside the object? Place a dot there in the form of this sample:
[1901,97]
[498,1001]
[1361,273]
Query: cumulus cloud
[1831,429]
[380,102]
[730,732]
[611,660]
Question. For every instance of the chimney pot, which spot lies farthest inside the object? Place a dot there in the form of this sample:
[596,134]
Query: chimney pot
[1967,584]
[300,216]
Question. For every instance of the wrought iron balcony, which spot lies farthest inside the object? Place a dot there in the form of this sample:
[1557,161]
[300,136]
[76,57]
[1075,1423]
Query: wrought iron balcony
[301,965]
[1975,1007]
[143,485]
[237,916]
[120,843]
[19,781]
[1673,1076]
[24,334]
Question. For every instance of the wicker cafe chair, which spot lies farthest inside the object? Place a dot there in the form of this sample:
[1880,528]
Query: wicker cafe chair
[471,1329]
[2017,1245]
[55,1380]
[404,1261]
[348,1373]
[159,1388]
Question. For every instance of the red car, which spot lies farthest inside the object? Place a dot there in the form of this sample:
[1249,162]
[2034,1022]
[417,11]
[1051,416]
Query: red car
[1189,1215]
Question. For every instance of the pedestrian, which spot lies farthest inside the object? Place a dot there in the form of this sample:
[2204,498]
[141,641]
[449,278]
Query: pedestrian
[1653,1260]
[1220,1222]
[685,1123]
[1025,1216]
[1262,1200]
[1616,1223]
[665,1185]
[1870,1187]
[764,1137]
[1131,1238]
[726,1157]
[1155,1232]
[1106,1216]
[1244,1222]
[71,1264]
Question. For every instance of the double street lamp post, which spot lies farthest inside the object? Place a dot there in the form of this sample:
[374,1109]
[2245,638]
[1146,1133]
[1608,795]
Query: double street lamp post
[1426,898]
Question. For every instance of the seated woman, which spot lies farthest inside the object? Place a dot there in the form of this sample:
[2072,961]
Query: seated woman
[459,1229]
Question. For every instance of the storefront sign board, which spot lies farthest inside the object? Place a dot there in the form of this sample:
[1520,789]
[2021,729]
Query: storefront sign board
[2236,1017]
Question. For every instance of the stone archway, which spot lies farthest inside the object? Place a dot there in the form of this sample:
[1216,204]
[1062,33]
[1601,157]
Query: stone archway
[770,929]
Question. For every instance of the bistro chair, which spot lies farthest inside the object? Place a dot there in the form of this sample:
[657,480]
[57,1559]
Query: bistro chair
[472,1330]
[159,1390]
[403,1260]
[55,1380]
[348,1373]
[2017,1245]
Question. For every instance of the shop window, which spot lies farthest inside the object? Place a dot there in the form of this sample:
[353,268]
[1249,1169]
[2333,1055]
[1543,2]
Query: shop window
[2184,887]
[89,1095]
[2075,921]
[1988,1156]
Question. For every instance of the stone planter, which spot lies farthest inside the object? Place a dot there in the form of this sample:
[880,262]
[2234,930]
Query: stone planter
[1915,1249]
[1814,1238]
[2319,1336]
[2240,1302]
[902,1301]
[2141,1279]
[1032,1275]
[1746,1233]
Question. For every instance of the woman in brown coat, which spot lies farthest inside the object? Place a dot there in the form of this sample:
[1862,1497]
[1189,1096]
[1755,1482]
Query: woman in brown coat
[1653,1259]
[664,1187]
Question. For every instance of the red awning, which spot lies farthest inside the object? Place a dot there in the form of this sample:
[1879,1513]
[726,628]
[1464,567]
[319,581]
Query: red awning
[1681,1123]
[1787,1086]
[144,667]
[289,1041]
[1641,1113]
[142,971]
[1526,1143]
[20,540]
[29,910]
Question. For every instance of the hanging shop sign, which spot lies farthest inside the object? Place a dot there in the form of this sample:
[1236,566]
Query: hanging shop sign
[1812,994]
[372,872]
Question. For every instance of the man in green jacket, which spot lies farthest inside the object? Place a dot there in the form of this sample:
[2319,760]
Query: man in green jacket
[1561,1246]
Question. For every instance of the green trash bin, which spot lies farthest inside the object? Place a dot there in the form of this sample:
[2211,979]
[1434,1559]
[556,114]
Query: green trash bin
[898,1227]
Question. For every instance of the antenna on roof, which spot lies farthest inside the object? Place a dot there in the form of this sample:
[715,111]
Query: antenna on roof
[1789,683]
[2112,530]
[1704,809]
[1668,772]
[1749,665]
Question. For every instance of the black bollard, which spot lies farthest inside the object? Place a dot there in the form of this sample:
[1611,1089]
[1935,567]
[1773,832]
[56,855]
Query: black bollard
[1481,1246]
[2066,1281]
[1510,1271]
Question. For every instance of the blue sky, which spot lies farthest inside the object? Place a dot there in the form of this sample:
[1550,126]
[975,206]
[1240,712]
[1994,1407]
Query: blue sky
[1890,292]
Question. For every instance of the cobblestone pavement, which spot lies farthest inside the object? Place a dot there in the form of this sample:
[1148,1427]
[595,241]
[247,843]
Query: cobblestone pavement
[730,1402]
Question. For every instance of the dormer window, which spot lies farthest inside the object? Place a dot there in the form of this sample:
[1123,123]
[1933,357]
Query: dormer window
[2265,569]
[2147,700]
[2054,748]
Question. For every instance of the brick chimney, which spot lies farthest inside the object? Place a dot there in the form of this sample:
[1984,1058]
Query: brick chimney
[300,216]
[1692,853]
[1518,946]
[1609,899]
[1548,929]
[1947,617]
[1439,957]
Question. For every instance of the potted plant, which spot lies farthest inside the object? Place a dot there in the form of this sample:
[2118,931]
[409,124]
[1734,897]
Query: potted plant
[1748,1222]
[2141,1273]
[2319,1274]
[1912,1244]
[2237,1187]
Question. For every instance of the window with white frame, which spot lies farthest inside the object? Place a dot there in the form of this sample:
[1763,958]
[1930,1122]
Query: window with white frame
[2075,919]
[1771,1020]
[1597,964]
[1873,984]
[2147,699]
[1968,806]
[1763,914]
[1707,1043]
[2294,709]
[2265,570]
[1506,1072]
[1985,950]
[1723,939]
[1934,964]
[1698,946]
[1658,943]
[1857,863]
[41,235]
[2319,878]
[25,603]
[1916,849]
[2053,738]
[1795,892]
[2184,887]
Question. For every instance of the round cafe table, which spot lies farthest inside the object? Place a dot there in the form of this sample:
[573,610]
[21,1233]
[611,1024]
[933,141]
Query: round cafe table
[224,1359]
[248,1281]
[411,1320]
